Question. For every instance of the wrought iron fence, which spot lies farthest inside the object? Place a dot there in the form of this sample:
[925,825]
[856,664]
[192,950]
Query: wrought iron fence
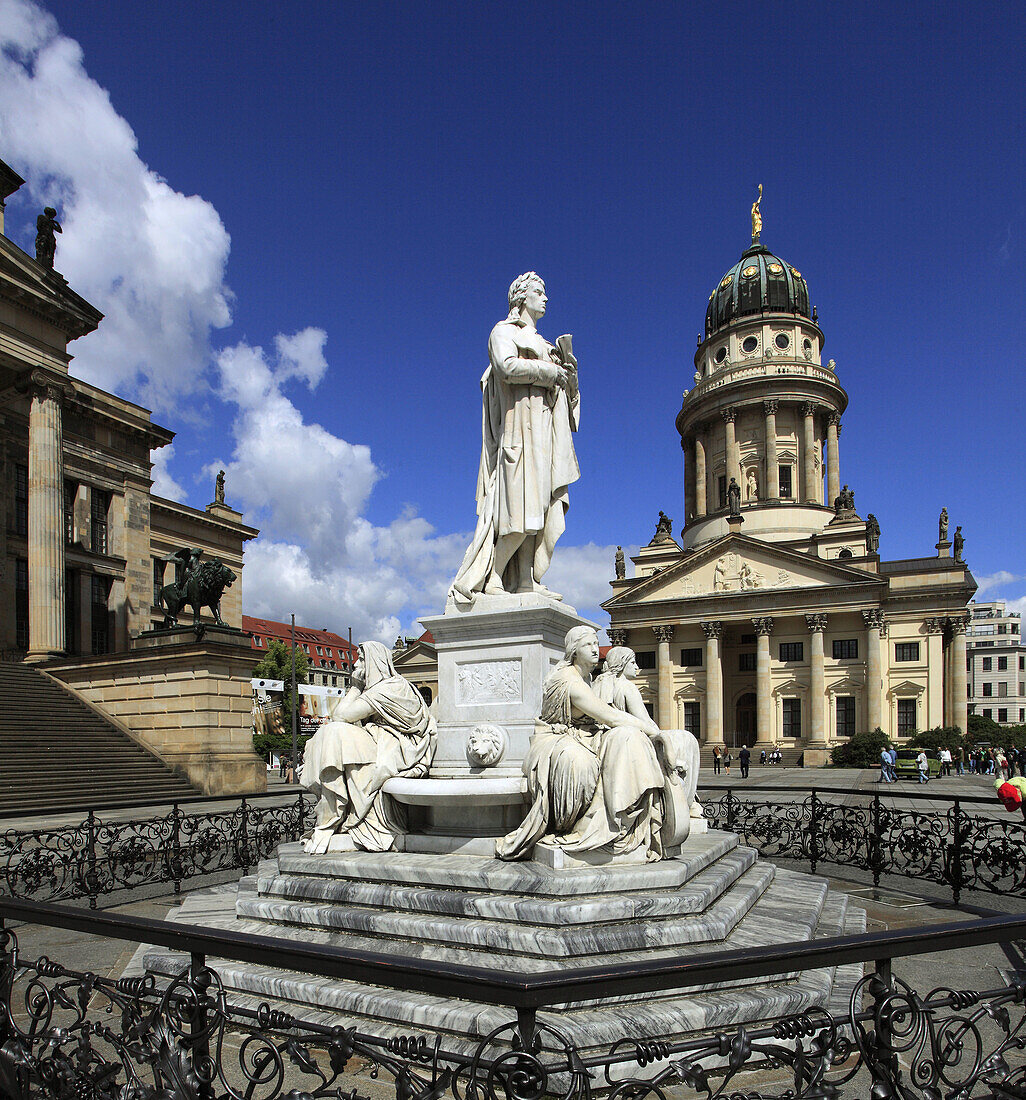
[882,834]
[66,1033]
[102,856]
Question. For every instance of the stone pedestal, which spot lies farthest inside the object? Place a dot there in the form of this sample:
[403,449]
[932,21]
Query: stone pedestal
[493,659]
[186,699]
[944,549]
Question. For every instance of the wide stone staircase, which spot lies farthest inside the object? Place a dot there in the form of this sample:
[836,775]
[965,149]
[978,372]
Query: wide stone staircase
[57,753]
[792,758]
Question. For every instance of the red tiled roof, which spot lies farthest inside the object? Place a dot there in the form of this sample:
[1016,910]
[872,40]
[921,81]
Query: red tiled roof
[269,628]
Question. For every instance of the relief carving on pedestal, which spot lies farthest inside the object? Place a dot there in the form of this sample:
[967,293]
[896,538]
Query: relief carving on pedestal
[483,682]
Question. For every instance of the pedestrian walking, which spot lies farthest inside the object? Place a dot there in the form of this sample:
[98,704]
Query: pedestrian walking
[744,758]
[894,764]
[717,760]
[923,766]
[726,761]
[959,761]
[885,765]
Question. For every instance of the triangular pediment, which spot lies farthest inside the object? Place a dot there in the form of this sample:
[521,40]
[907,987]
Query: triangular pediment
[27,284]
[906,687]
[736,564]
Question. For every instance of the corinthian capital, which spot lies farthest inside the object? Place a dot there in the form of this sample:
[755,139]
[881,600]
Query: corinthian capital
[664,633]
[617,635]
[817,624]
[873,618]
[763,626]
[712,629]
[729,415]
[771,406]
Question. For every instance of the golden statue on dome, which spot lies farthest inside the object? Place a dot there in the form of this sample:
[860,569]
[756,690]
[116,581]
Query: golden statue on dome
[757,217]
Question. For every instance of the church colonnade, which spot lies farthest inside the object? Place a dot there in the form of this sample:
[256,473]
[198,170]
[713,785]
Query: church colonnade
[780,434]
[853,695]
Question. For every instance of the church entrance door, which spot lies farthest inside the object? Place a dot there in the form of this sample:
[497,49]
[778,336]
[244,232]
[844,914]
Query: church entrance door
[745,731]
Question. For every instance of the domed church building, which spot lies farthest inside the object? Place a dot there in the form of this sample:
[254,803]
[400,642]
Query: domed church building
[774,621]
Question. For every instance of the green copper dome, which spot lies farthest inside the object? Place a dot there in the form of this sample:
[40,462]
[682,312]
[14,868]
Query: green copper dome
[758,283]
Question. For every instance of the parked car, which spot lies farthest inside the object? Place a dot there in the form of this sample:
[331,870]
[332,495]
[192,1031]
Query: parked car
[906,767]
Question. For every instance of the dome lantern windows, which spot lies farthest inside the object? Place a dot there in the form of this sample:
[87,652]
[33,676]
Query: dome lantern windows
[782,341]
[750,344]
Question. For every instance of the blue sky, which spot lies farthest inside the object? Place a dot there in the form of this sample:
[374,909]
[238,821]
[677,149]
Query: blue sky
[302,220]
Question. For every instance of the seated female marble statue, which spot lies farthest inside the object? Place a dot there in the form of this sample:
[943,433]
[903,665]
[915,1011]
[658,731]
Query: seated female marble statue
[381,728]
[614,685]
[595,773]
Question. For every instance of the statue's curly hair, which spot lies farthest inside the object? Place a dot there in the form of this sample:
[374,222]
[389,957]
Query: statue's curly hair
[518,290]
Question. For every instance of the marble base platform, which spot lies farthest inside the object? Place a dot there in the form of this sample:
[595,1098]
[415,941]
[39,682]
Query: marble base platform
[528,918]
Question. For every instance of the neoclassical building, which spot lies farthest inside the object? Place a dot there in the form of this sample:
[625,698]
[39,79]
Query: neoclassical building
[774,621]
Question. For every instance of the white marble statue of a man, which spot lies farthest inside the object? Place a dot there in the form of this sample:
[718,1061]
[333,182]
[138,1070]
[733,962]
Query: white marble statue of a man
[530,411]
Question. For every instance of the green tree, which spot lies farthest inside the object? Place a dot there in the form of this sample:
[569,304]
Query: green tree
[983,729]
[860,751]
[946,737]
[276,664]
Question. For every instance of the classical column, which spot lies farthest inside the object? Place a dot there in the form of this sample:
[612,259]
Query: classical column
[730,456]
[763,697]
[817,625]
[812,493]
[874,621]
[664,674]
[833,462]
[937,706]
[617,635]
[772,466]
[46,520]
[959,693]
[689,482]
[713,684]
[700,476]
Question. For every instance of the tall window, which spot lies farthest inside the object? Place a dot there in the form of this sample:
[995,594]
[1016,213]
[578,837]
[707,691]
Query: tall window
[721,490]
[100,591]
[786,492]
[1002,664]
[1002,714]
[693,717]
[98,523]
[906,717]
[988,689]
[70,492]
[792,718]
[1002,689]
[746,662]
[21,603]
[21,501]
[158,579]
[845,715]
[988,664]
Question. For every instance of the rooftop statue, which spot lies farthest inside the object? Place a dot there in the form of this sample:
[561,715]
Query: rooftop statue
[381,728]
[959,541]
[619,564]
[596,772]
[219,487]
[530,410]
[46,243]
[664,526]
[757,217]
[942,526]
[872,534]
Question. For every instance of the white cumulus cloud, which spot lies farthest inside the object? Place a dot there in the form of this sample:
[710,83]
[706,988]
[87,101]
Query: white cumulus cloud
[996,580]
[164,485]
[150,257]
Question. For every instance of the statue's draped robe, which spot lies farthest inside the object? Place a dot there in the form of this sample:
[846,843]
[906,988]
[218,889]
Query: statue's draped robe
[527,458]
[589,788]
[680,788]
[346,764]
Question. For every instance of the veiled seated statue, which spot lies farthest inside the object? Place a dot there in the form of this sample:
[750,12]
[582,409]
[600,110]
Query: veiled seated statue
[381,728]
[602,776]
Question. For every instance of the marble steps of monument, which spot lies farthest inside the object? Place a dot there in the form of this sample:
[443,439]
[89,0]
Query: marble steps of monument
[697,885]
[592,1024]
[476,874]
[454,935]
[694,896]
